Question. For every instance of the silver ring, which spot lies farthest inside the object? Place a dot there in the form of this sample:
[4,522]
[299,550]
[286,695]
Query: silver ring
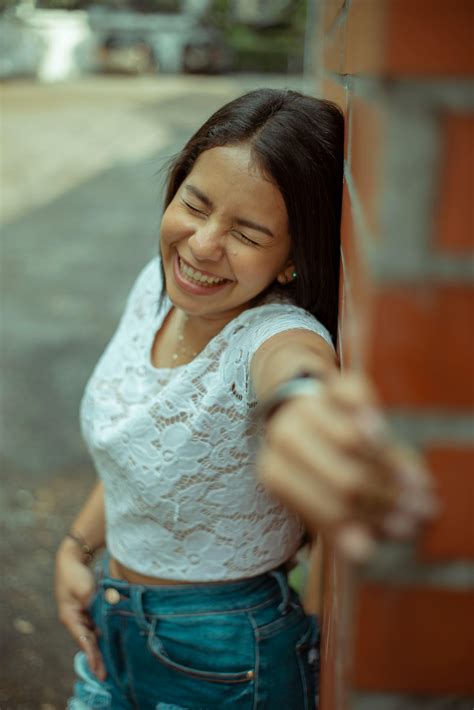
[84,637]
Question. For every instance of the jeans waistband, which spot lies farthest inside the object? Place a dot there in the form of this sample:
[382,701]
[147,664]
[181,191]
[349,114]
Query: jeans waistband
[189,598]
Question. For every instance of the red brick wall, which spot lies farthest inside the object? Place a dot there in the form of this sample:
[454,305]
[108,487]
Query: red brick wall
[400,633]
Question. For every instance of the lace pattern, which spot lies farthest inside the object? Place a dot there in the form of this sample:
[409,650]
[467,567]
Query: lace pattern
[175,448]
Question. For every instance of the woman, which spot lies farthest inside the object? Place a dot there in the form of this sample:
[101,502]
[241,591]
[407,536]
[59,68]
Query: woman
[228,335]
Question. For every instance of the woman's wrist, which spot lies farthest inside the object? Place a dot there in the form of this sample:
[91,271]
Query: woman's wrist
[74,542]
[86,550]
[302,384]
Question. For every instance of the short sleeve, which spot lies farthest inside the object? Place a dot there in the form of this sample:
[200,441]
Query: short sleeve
[278,318]
[254,327]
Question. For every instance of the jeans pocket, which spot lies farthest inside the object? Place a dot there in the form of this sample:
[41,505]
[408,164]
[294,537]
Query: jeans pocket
[217,647]
[307,653]
[271,622]
[89,692]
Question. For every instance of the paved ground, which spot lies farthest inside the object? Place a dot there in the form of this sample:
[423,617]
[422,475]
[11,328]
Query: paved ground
[81,208]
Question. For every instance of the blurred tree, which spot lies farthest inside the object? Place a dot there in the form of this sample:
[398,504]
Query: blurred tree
[273,43]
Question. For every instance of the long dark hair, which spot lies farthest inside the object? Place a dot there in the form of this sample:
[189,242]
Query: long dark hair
[298,142]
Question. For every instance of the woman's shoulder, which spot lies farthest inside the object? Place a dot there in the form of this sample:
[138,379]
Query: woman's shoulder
[251,329]
[273,316]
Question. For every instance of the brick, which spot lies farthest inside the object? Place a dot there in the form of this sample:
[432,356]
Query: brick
[451,536]
[430,38]
[366,161]
[331,9]
[365,37]
[414,639]
[454,218]
[422,349]
[419,38]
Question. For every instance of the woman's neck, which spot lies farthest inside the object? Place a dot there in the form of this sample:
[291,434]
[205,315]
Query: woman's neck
[197,331]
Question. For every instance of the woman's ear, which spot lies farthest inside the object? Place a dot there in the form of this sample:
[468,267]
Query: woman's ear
[287,275]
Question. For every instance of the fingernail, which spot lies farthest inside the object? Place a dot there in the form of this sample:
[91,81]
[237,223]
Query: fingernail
[356,544]
[399,525]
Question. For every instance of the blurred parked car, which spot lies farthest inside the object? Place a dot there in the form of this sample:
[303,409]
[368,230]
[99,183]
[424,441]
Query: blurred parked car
[128,53]
[163,42]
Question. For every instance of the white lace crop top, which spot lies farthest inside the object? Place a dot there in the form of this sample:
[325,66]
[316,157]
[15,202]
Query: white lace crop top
[175,448]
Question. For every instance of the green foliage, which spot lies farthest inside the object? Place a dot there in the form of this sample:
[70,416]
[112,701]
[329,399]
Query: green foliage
[298,577]
[271,49]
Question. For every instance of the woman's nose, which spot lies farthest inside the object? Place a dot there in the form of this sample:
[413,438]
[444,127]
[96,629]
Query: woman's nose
[207,243]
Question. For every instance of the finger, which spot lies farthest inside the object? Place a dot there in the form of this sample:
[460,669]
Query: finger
[399,525]
[354,395]
[311,500]
[350,391]
[316,457]
[417,488]
[354,432]
[355,542]
[319,511]
[87,641]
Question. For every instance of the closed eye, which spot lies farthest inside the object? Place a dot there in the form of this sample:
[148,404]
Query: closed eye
[192,208]
[243,238]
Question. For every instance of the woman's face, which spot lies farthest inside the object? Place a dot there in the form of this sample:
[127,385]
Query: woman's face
[224,236]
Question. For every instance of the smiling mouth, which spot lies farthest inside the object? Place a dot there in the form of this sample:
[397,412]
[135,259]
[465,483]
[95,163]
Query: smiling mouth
[197,277]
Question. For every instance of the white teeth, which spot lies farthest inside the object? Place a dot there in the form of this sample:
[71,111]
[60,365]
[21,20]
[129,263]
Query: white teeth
[197,276]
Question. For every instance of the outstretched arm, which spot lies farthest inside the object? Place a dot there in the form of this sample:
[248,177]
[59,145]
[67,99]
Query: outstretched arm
[330,456]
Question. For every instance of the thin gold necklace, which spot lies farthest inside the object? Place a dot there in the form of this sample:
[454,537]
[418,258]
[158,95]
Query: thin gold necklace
[181,349]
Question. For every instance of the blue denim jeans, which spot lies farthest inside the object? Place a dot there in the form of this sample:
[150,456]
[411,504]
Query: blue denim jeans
[246,644]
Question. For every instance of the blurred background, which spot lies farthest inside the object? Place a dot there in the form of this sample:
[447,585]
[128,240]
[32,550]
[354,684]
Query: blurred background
[96,99]
[58,39]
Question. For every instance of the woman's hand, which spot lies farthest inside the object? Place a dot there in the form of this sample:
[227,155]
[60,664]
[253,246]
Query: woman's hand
[331,458]
[75,587]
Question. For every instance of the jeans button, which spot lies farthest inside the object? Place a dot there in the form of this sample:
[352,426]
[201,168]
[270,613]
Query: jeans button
[112,595]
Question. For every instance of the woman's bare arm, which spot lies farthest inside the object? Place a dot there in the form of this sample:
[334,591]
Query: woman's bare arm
[331,457]
[75,584]
[90,522]
[287,355]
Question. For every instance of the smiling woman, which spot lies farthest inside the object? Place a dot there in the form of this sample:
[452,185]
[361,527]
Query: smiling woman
[236,315]
[227,225]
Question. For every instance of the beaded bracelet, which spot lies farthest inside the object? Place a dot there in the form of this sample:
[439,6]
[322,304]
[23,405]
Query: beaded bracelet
[87,551]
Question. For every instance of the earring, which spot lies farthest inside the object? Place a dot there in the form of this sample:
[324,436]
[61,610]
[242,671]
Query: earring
[294,275]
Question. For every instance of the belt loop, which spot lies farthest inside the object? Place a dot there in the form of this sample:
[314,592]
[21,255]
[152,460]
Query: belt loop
[282,582]
[136,601]
[104,565]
